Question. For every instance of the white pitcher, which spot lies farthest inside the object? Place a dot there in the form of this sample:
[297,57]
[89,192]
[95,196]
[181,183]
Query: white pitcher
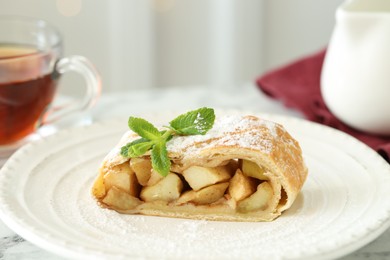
[355,80]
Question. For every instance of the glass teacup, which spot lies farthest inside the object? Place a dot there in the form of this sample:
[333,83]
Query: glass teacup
[31,65]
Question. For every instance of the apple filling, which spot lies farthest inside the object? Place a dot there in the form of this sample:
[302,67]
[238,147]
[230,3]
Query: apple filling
[240,184]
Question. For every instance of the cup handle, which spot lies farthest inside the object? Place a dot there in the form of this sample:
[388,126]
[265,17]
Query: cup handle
[93,82]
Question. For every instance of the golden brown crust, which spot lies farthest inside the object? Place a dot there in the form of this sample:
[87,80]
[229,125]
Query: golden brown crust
[266,143]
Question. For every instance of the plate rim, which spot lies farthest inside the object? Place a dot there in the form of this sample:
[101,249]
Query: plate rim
[9,220]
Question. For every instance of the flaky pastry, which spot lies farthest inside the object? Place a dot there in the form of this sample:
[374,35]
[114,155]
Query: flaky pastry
[244,169]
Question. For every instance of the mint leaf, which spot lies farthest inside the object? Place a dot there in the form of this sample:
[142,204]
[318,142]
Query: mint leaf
[160,159]
[191,123]
[144,128]
[139,149]
[194,122]
[136,148]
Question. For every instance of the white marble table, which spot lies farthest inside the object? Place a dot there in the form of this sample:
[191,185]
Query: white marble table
[115,105]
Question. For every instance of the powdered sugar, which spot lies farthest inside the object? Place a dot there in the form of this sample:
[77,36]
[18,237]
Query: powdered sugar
[230,131]
[240,131]
[199,122]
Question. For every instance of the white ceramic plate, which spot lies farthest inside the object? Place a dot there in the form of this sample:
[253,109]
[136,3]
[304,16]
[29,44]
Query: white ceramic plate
[45,197]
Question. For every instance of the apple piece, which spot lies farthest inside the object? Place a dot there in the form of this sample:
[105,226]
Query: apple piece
[119,199]
[206,195]
[122,177]
[168,189]
[142,168]
[176,168]
[199,177]
[251,169]
[187,196]
[258,200]
[241,186]
[230,202]
[154,178]
[211,194]
[99,189]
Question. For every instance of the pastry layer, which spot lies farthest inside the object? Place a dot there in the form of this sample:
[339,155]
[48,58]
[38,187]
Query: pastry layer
[243,169]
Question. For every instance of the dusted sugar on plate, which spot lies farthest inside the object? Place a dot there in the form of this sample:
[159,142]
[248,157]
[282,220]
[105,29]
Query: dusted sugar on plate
[231,168]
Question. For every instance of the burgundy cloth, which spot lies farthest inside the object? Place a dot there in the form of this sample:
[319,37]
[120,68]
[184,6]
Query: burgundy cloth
[297,85]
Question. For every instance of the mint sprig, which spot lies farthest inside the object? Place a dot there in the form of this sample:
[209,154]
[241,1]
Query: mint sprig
[196,122]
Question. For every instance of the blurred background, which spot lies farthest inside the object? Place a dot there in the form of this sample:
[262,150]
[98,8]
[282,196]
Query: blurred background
[181,43]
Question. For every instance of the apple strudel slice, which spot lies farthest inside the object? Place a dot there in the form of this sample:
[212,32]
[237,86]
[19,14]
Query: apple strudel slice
[244,169]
